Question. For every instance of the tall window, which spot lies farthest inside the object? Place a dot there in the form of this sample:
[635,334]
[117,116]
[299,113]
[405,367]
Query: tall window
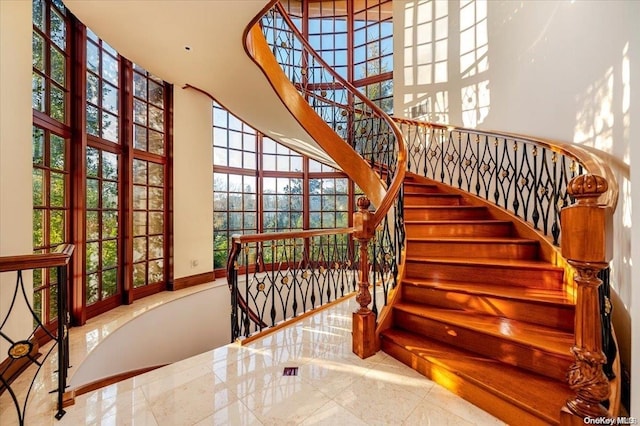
[149,188]
[103,277]
[51,145]
[109,179]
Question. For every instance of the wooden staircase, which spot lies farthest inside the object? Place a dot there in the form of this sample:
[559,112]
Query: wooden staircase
[480,310]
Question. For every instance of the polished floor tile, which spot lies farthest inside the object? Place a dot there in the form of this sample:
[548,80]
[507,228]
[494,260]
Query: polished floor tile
[245,385]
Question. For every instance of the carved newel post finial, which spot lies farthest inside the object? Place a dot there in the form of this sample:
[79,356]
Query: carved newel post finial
[586,244]
[364,321]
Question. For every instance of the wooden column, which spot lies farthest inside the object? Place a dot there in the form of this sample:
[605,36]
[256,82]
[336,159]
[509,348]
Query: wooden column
[364,320]
[586,244]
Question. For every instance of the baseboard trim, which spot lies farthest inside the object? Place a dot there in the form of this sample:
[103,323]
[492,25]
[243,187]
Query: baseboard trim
[191,280]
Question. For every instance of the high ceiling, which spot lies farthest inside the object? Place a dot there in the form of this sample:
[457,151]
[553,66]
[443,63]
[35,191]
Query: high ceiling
[200,43]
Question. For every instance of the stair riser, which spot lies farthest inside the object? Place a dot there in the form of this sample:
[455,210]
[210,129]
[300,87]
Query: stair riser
[472,249]
[458,230]
[451,213]
[431,200]
[495,274]
[547,364]
[480,397]
[416,188]
[549,315]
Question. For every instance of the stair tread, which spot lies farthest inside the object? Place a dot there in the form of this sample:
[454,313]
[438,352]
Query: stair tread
[557,297]
[488,261]
[538,394]
[432,207]
[547,339]
[471,240]
[456,221]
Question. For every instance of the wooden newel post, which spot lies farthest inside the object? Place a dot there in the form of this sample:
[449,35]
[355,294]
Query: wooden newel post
[364,320]
[586,244]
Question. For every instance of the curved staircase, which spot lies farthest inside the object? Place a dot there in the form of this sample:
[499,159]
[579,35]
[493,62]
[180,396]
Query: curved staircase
[480,309]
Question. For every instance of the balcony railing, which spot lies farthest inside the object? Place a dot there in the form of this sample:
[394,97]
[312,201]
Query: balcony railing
[24,350]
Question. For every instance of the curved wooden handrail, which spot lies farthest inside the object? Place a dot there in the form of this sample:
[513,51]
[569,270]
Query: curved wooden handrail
[59,257]
[344,155]
[590,160]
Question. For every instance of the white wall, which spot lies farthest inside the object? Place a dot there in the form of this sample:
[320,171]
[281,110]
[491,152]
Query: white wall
[176,330]
[15,154]
[559,70]
[192,183]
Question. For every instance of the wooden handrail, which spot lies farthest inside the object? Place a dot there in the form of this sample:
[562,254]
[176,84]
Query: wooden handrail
[392,191]
[59,257]
[268,236]
[591,161]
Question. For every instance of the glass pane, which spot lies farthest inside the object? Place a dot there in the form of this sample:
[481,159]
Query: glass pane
[58,66]
[155,247]
[156,142]
[57,193]
[38,145]
[109,283]
[56,227]
[57,103]
[140,223]
[140,137]
[57,145]
[37,92]
[38,14]
[156,198]
[109,127]
[156,118]
[38,182]
[58,29]
[93,256]
[156,223]
[93,128]
[92,288]
[110,195]
[92,226]
[110,98]
[139,112]
[93,197]
[156,94]
[139,172]
[220,202]
[109,224]
[139,275]
[38,226]
[37,45]
[92,161]
[53,299]
[139,86]
[139,249]
[156,271]
[109,68]
[93,56]
[109,165]
[109,254]
[139,197]
[37,277]
[156,174]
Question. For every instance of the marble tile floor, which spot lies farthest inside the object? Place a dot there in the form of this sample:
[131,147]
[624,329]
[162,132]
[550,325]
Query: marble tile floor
[245,385]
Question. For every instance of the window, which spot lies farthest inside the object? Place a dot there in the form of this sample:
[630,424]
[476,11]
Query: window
[105,190]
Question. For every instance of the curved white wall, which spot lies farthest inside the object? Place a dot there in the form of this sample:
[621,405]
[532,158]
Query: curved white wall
[176,330]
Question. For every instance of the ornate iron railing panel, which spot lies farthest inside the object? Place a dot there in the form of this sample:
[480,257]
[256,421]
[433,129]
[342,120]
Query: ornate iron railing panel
[361,124]
[276,277]
[24,351]
[521,175]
